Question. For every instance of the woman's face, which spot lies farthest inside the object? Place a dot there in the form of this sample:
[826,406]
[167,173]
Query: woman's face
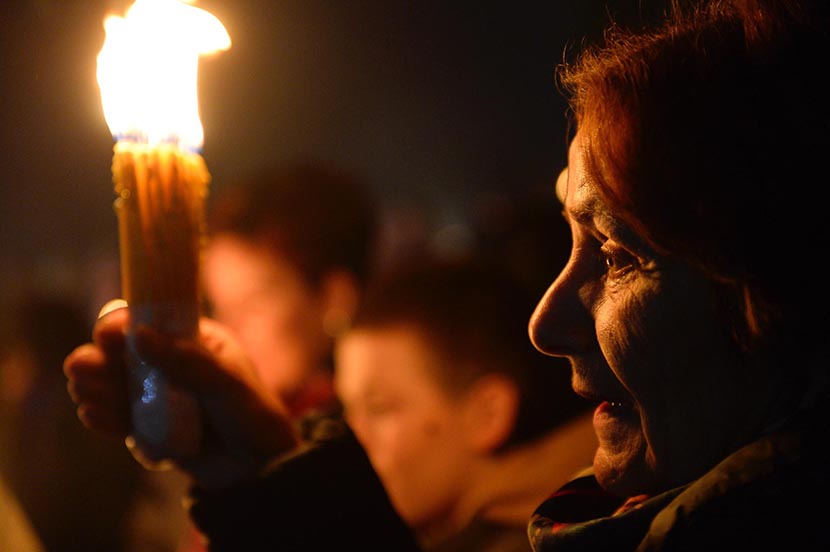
[273,311]
[645,341]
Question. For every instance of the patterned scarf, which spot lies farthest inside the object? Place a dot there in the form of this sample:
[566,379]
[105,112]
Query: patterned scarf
[581,516]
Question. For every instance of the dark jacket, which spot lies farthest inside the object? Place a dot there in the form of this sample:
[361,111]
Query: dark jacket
[325,498]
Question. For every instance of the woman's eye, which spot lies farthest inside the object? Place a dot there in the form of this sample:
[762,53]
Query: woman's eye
[618,261]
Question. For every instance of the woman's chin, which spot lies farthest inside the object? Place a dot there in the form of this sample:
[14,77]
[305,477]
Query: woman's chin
[620,465]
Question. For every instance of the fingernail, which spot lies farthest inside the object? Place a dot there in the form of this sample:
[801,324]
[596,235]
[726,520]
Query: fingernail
[110,306]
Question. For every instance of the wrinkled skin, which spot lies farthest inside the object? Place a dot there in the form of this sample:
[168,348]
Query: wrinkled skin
[644,339]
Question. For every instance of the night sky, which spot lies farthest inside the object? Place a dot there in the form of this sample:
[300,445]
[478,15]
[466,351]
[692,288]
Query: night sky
[436,104]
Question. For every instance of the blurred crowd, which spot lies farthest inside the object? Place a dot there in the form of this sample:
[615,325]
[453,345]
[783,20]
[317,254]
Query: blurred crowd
[289,256]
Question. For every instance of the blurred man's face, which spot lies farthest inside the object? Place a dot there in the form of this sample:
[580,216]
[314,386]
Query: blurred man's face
[275,313]
[410,427]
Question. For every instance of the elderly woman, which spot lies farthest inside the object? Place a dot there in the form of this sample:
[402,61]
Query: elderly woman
[692,188]
[703,349]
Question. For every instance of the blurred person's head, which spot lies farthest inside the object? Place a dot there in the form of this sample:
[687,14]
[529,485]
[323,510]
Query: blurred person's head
[526,231]
[442,388]
[288,255]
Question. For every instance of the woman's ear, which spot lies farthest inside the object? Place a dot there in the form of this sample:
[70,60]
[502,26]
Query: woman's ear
[340,296]
[492,409]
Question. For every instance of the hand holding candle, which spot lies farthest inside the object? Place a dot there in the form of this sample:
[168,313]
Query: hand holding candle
[147,75]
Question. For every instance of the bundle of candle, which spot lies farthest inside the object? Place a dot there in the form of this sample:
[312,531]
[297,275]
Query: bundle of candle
[147,76]
[161,193]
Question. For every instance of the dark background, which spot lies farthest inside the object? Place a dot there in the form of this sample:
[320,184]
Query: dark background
[441,106]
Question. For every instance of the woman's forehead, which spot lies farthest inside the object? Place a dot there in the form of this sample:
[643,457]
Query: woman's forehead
[566,181]
[577,190]
[573,178]
[562,186]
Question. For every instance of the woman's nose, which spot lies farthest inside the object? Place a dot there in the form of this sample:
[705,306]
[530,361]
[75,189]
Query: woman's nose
[561,324]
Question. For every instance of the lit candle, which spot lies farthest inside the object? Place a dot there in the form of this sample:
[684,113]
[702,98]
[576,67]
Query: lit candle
[147,74]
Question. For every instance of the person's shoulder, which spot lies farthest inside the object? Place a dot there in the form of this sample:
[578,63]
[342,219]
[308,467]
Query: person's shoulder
[766,496]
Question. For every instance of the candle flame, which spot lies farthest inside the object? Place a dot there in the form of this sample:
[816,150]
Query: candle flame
[147,71]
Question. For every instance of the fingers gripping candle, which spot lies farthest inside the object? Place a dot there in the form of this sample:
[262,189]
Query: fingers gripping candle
[147,76]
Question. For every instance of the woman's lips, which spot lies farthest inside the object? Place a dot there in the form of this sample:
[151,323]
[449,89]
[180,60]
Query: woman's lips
[610,414]
[610,410]
[604,399]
